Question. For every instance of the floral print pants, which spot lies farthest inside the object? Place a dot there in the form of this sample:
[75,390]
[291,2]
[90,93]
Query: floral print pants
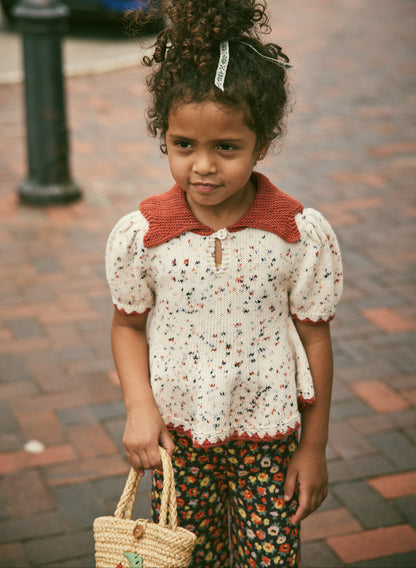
[231,496]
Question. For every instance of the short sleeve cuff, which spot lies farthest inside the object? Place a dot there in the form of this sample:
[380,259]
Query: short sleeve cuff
[309,321]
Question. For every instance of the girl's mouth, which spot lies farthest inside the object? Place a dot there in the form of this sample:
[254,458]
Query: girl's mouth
[204,187]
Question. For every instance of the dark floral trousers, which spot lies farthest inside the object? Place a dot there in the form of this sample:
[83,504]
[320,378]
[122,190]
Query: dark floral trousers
[231,497]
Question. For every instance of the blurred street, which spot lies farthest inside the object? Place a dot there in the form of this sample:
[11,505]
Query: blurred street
[88,49]
[349,152]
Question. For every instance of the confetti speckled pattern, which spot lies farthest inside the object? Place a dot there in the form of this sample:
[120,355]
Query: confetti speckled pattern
[226,334]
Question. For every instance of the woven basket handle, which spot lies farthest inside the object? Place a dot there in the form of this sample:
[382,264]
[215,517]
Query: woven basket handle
[168,505]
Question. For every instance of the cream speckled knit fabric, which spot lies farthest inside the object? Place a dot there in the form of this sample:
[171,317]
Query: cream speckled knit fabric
[225,358]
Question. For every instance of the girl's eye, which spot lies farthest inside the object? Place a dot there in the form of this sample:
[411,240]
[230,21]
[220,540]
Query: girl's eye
[183,144]
[226,147]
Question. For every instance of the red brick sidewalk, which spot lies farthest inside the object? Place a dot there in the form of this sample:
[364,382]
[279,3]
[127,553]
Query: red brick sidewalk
[350,153]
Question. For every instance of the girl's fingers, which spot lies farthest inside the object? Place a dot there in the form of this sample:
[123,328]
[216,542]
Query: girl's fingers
[142,458]
[167,442]
[290,484]
[302,511]
[308,504]
[153,457]
[148,457]
[135,462]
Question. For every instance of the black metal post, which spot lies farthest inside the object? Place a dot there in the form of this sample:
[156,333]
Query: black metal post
[42,23]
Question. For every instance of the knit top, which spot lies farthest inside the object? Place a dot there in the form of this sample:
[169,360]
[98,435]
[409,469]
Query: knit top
[225,358]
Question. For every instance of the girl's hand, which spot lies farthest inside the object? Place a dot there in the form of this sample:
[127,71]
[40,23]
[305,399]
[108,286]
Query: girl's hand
[144,432]
[308,469]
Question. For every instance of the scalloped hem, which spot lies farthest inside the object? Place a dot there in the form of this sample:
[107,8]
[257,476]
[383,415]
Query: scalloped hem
[308,321]
[236,436]
[133,313]
[305,403]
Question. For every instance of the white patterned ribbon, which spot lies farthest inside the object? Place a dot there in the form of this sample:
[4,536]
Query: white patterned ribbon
[222,65]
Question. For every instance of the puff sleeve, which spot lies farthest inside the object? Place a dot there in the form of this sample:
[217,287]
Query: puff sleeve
[127,266]
[315,283]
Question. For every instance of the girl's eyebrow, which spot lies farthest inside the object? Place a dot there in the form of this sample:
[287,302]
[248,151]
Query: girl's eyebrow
[231,140]
[217,141]
[180,137]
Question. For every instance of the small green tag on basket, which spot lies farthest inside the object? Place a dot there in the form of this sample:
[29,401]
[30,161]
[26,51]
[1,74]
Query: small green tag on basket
[135,561]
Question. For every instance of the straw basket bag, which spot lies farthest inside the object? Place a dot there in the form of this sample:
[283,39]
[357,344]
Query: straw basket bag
[123,543]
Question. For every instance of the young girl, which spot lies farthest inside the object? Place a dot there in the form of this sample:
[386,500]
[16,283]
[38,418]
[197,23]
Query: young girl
[224,287]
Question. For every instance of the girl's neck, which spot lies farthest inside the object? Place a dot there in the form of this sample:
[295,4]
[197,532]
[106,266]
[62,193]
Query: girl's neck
[228,212]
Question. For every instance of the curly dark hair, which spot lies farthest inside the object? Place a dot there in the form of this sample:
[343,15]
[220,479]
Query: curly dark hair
[185,60]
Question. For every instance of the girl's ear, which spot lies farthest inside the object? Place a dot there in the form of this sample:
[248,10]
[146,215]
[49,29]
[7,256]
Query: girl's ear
[262,152]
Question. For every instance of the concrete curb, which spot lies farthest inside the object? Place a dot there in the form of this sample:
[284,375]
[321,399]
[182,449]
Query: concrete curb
[79,69]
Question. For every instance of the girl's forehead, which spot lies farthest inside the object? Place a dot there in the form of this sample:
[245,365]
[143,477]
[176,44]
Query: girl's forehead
[195,116]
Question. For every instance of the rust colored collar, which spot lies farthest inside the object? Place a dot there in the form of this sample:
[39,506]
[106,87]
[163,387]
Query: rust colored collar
[272,210]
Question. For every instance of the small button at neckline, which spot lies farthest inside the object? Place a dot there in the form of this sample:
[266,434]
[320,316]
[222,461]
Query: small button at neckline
[221,234]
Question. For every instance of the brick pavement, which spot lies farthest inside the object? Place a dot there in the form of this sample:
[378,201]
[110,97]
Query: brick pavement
[349,152]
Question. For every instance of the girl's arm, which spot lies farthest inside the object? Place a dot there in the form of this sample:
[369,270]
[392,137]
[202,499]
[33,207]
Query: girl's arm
[145,428]
[308,465]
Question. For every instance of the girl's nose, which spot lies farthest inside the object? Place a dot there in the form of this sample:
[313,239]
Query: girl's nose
[204,164]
